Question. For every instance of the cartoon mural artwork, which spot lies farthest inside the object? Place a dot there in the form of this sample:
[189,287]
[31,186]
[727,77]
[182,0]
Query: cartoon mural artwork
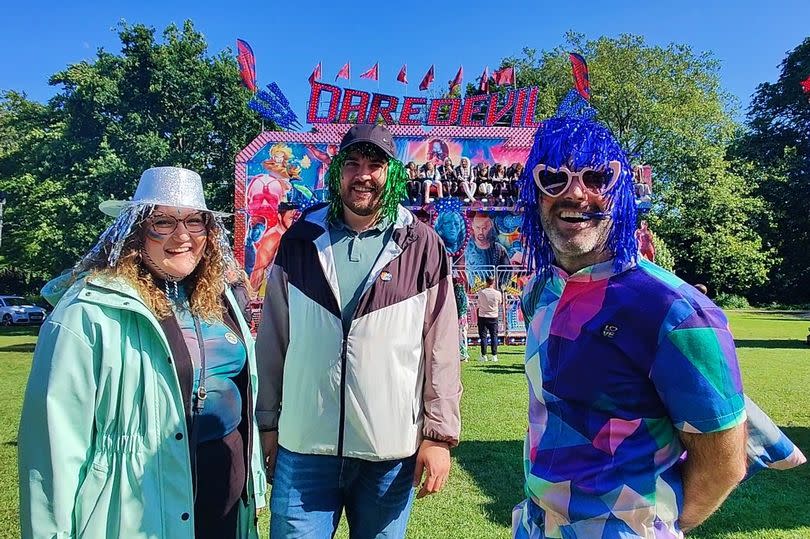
[438,151]
[281,173]
[325,158]
[451,225]
[281,179]
[266,246]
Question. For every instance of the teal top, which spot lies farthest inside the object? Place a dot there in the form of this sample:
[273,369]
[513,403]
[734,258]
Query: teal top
[355,254]
[225,358]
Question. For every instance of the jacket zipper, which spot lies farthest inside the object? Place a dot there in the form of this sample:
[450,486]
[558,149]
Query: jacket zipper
[342,429]
[343,346]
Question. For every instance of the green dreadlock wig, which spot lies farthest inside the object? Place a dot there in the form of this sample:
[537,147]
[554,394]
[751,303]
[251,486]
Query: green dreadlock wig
[393,192]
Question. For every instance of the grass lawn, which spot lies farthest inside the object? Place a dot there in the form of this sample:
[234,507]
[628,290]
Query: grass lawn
[486,480]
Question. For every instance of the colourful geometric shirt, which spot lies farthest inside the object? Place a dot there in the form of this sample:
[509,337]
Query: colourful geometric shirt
[618,362]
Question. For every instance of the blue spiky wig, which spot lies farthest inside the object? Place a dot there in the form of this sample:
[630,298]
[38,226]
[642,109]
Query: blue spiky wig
[577,142]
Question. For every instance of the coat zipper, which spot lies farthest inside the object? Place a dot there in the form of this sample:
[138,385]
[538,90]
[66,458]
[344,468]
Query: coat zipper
[342,428]
[343,353]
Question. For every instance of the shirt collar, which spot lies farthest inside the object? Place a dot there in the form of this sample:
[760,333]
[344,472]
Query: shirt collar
[381,226]
[597,272]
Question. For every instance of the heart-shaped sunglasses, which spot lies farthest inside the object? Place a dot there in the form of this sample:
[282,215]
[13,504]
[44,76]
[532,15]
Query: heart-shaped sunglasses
[555,181]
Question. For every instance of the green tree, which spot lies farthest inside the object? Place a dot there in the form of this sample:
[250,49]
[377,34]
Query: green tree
[157,102]
[667,108]
[778,143]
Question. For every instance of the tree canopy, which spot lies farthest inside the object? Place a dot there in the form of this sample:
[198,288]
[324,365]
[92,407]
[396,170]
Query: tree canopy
[777,143]
[157,102]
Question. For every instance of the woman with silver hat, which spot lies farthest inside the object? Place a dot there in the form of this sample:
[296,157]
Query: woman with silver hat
[138,418]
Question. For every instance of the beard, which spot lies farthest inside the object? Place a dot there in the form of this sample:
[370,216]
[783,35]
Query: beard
[363,204]
[585,240]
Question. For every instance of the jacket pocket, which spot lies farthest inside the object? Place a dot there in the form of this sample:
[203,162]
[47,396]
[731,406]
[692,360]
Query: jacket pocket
[92,512]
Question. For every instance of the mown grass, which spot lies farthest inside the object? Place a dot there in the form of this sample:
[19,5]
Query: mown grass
[486,481]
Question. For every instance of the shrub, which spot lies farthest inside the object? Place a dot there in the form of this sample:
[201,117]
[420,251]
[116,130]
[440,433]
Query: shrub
[731,301]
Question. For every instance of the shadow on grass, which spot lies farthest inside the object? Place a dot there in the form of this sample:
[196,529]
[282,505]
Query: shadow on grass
[771,500]
[17,331]
[771,315]
[771,343]
[497,469]
[12,443]
[501,368]
[27,347]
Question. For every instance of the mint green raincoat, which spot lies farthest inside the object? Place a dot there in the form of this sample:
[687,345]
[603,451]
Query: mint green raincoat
[103,447]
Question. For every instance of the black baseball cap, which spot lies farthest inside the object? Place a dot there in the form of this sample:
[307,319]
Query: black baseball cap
[377,135]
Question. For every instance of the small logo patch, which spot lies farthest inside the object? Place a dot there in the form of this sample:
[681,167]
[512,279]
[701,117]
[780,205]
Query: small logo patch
[231,338]
[609,331]
[385,276]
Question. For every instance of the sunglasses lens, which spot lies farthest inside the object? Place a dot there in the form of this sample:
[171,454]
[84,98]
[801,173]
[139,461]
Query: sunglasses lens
[598,181]
[552,182]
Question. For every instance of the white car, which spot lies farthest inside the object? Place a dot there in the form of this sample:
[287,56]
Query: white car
[15,310]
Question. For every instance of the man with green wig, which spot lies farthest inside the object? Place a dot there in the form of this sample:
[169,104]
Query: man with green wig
[358,355]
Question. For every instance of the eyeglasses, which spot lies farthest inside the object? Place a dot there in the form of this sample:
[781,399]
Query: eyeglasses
[555,181]
[165,225]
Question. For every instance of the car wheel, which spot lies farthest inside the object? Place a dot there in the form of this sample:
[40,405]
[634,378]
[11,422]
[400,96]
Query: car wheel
[6,320]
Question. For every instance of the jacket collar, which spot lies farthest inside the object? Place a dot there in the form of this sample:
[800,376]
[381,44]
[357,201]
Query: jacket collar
[319,216]
[315,225]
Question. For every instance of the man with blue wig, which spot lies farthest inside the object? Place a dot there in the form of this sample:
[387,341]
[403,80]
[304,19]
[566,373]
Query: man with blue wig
[628,366]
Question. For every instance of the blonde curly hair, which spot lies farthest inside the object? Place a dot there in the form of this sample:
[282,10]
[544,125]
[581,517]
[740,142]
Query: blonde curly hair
[205,285]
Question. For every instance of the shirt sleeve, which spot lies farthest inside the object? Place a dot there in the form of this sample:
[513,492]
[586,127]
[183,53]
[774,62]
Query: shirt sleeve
[442,387]
[271,346]
[56,431]
[696,373]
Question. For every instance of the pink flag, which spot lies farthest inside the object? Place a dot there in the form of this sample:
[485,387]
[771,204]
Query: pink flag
[457,81]
[343,73]
[504,76]
[372,73]
[247,64]
[427,79]
[403,74]
[316,73]
[483,85]
[581,80]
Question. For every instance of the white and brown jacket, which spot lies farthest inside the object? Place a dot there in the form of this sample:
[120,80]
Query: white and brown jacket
[393,379]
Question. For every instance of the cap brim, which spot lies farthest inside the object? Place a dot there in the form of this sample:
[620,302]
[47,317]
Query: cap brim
[113,208]
[355,141]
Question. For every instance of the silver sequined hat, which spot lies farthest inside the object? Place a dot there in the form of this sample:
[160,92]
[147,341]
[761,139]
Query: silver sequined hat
[164,186]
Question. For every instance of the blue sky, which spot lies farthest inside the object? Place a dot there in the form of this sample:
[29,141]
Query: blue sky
[290,37]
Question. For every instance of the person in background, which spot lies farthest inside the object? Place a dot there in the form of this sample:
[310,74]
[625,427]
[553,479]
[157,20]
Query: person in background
[482,180]
[138,417]
[413,183]
[466,179]
[489,303]
[448,177]
[431,182]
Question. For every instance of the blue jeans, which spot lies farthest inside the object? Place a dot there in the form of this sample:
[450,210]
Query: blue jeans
[310,491]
